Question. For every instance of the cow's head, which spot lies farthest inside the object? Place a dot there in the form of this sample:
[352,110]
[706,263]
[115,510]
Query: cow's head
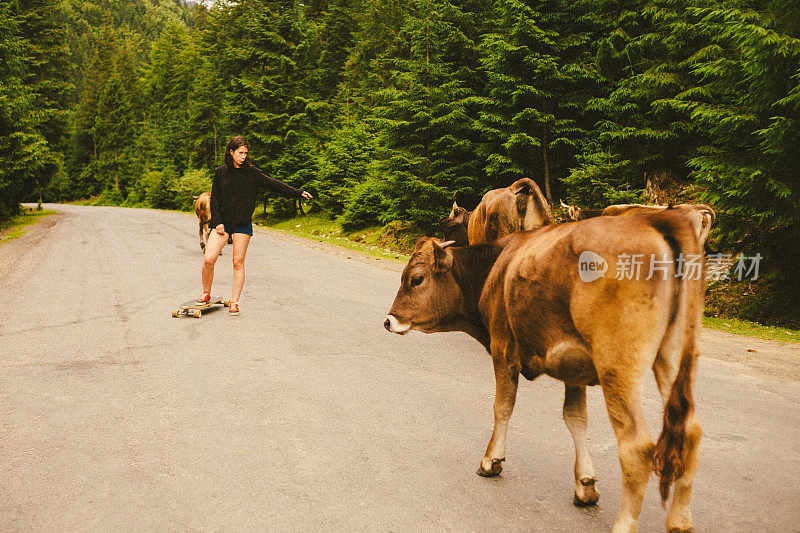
[455,225]
[573,212]
[429,298]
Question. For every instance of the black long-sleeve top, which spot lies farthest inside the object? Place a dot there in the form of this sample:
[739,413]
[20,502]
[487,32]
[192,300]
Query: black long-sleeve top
[234,193]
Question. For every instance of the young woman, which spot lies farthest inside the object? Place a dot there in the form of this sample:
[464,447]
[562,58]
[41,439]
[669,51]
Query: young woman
[234,193]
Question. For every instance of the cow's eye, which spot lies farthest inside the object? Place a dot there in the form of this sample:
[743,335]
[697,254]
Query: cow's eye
[416,280]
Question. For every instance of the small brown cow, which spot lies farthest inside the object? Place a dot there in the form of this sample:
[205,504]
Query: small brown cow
[701,215]
[202,208]
[526,300]
[575,213]
[518,207]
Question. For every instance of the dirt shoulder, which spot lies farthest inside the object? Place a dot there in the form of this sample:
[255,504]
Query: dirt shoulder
[13,250]
[775,360]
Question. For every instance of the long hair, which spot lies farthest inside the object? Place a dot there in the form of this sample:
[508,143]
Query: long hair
[233,145]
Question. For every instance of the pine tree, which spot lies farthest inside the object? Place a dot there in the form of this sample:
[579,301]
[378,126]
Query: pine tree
[539,83]
[427,114]
[82,163]
[114,127]
[203,111]
[167,82]
[747,107]
[31,104]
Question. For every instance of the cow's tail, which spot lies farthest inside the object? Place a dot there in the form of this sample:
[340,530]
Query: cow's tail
[670,453]
[532,209]
[522,203]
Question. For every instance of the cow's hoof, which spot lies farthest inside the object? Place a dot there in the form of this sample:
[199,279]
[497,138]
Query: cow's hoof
[679,521]
[585,492]
[494,470]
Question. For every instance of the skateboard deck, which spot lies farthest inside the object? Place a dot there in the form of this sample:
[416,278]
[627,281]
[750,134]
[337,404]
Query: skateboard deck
[194,309]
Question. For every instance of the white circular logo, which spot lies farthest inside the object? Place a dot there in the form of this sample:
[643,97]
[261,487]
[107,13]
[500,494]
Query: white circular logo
[591,266]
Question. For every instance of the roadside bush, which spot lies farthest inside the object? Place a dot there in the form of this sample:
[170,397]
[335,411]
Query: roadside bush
[364,205]
[109,197]
[192,183]
[160,189]
[134,199]
[344,163]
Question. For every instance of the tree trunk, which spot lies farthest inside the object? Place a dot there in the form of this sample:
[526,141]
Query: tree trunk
[546,163]
[116,170]
[215,142]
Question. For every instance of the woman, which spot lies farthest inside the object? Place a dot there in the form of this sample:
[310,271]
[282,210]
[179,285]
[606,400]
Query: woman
[234,193]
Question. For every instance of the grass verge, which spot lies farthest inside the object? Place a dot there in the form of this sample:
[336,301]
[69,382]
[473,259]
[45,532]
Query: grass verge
[319,227]
[15,226]
[751,329]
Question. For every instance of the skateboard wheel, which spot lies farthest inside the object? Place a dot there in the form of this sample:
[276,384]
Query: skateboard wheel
[226,303]
[175,314]
[197,313]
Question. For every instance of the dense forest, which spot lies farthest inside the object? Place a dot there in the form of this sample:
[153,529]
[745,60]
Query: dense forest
[385,108]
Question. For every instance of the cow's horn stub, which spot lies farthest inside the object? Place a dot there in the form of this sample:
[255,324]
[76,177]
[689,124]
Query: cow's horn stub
[446,244]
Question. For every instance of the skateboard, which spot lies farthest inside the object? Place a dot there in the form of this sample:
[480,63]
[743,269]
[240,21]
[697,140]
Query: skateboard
[194,309]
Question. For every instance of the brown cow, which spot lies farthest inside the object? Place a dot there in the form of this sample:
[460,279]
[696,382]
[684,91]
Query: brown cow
[701,215]
[518,207]
[525,299]
[575,213]
[202,208]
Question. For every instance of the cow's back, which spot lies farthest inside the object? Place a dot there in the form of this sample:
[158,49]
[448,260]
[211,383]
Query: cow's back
[518,207]
[202,207]
[536,295]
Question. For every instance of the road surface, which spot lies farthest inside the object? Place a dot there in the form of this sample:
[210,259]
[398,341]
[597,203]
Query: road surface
[303,413]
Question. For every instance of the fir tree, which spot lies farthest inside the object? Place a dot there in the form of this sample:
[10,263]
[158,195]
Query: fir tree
[539,83]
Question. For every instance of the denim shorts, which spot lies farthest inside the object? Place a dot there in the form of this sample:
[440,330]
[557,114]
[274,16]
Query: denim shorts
[247,229]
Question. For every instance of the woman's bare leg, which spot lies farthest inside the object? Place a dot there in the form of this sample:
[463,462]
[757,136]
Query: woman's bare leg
[240,242]
[213,248]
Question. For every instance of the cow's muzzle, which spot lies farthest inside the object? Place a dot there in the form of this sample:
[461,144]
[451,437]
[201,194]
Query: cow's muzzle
[392,324]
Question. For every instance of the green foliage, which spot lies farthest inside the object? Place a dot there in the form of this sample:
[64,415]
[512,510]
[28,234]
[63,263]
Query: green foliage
[160,187]
[601,180]
[191,183]
[365,205]
[540,77]
[32,101]
[109,197]
[347,160]
[385,108]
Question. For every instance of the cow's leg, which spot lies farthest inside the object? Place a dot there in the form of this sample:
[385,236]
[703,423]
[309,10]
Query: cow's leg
[679,518]
[506,375]
[621,389]
[576,419]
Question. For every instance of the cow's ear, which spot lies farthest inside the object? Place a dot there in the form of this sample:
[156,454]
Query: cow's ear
[442,258]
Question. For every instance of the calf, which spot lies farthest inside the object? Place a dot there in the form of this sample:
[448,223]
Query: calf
[525,300]
[701,216]
[202,208]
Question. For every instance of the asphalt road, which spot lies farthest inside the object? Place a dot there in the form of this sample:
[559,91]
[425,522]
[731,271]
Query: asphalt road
[303,413]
